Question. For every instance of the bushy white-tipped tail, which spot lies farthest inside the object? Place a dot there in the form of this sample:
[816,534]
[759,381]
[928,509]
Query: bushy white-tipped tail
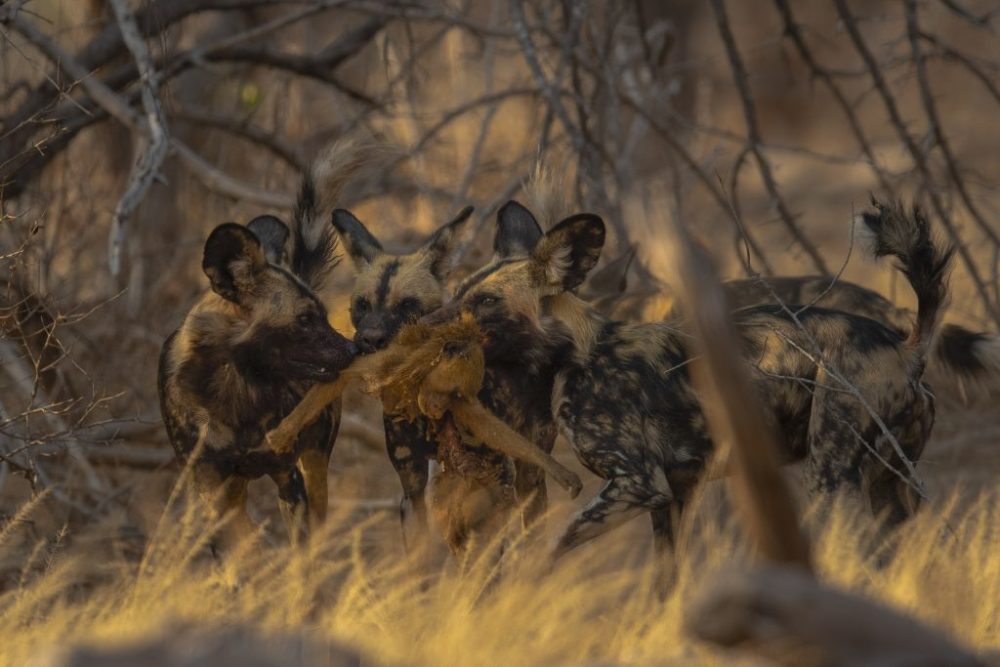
[888,229]
[968,358]
[547,193]
[313,252]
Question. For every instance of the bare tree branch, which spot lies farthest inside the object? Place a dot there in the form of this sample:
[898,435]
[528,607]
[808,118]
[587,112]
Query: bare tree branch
[245,129]
[122,112]
[934,120]
[793,31]
[917,154]
[147,167]
[753,137]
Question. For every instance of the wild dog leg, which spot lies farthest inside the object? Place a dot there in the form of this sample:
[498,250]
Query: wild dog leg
[409,453]
[892,499]
[293,502]
[665,521]
[227,499]
[314,463]
[614,505]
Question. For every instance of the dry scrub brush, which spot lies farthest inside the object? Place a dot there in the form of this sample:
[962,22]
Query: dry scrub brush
[629,95]
[598,608]
[765,124]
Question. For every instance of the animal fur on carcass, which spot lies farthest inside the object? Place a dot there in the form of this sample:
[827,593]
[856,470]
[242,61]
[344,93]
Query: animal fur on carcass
[437,371]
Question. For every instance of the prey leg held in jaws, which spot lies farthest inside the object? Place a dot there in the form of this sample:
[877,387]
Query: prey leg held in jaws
[497,435]
[282,438]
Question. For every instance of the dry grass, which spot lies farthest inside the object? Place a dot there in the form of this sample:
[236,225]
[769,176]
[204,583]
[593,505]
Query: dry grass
[353,584]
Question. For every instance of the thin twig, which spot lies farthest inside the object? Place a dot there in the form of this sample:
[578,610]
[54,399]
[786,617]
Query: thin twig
[753,137]
[793,31]
[934,120]
[954,54]
[244,129]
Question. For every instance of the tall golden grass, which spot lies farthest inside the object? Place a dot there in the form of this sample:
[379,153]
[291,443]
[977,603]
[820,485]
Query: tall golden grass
[351,584]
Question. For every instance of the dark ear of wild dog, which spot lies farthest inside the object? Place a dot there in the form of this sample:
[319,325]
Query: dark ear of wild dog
[288,336]
[391,290]
[509,290]
[273,235]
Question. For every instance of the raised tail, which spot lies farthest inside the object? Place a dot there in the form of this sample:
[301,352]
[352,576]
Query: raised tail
[889,229]
[969,358]
[314,245]
[548,191]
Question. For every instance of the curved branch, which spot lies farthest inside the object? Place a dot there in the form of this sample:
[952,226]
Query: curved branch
[146,170]
[919,159]
[816,70]
[934,120]
[753,136]
[153,19]
[23,154]
[244,129]
[121,111]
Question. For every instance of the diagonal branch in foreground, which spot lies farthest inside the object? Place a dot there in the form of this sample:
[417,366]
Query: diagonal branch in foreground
[733,411]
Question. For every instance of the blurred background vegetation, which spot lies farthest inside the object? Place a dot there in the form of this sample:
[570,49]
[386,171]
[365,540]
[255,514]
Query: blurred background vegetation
[760,125]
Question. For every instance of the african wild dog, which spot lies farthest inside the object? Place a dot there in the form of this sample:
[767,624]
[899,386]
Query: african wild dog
[391,290]
[959,356]
[250,347]
[623,398]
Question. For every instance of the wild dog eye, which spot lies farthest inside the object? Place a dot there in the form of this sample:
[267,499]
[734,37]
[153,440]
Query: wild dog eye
[361,305]
[487,299]
[305,319]
[408,305]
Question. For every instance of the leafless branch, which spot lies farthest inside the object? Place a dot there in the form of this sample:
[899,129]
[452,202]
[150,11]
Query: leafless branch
[934,119]
[916,153]
[147,167]
[733,414]
[753,137]
[793,31]
[245,129]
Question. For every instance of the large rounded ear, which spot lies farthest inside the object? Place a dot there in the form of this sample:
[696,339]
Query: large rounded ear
[612,278]
[233,261]
[443,243]
[273,236]
[568,251]
[517,231]
[362,247]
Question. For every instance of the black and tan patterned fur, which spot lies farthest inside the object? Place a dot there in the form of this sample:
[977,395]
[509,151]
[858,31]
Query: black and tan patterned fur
[622,396]
[960,357]
[250,347]
[389,291]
